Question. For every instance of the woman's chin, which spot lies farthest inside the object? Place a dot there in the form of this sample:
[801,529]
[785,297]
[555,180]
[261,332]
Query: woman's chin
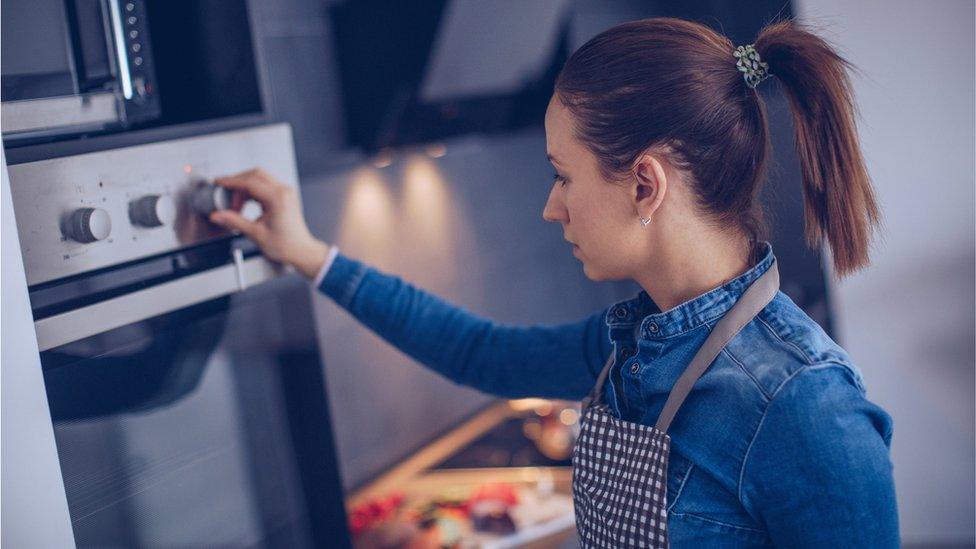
[590,274]
[587,270]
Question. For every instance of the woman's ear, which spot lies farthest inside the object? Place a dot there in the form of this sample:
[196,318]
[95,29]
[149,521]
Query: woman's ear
[651,185]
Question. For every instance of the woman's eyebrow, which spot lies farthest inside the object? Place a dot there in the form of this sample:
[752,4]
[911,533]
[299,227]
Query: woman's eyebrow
[552,158]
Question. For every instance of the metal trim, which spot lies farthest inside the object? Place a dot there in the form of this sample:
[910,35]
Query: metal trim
[170,296]
[59,112]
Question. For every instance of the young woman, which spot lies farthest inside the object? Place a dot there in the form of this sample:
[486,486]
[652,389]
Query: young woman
[717,413]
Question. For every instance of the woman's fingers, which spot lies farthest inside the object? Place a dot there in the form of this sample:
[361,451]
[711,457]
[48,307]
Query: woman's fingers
[234,220]
[254,183]
[280,231]
[238,199]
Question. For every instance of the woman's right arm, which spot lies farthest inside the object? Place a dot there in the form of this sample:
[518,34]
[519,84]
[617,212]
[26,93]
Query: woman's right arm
[551,361]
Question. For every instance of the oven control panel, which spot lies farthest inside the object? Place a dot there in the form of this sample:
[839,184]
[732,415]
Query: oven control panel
[80,213]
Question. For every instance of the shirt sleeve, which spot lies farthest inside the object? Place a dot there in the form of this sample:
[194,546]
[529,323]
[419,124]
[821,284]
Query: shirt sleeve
[548,361]
[818,472]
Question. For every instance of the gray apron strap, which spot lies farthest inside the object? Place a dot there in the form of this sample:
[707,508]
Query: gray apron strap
[596,394]
[755,298]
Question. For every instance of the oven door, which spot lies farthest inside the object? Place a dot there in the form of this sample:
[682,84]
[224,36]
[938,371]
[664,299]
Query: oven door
[198,418]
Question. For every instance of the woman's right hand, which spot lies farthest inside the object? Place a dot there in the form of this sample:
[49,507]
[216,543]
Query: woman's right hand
[280,231]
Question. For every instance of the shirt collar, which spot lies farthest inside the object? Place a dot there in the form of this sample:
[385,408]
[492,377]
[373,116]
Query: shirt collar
[691,314]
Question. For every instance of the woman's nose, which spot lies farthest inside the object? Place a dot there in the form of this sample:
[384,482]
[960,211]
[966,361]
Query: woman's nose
[554,210]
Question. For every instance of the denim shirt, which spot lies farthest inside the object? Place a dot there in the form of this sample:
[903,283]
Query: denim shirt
[776,445]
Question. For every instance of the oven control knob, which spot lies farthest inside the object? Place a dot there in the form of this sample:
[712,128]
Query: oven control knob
[208,197]
[153,210]
[88,225]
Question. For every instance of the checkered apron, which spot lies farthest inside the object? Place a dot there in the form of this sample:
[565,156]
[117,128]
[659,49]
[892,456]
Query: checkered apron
[620,469]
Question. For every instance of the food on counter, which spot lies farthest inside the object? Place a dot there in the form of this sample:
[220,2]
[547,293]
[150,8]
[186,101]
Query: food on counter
[449,524]
[373,512]
[489,508]
[454,518]
[492,516]
[500,491]
[391,522]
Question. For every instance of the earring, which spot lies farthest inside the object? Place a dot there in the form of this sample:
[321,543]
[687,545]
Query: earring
[645,221]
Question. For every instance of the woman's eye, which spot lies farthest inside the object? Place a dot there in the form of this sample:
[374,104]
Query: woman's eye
[558,179]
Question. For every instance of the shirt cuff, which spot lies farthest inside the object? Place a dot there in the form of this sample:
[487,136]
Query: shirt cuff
[343,279]
[329,260]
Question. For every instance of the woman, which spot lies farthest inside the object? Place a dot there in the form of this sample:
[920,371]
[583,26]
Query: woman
[660,142]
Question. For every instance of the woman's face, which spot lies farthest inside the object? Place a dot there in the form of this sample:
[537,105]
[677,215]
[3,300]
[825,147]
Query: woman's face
[597,216]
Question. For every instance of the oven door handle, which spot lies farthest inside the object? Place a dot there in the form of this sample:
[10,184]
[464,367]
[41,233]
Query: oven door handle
[121,55]
[140,305]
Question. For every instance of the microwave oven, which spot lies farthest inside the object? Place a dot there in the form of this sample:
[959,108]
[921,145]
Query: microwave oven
[90,67]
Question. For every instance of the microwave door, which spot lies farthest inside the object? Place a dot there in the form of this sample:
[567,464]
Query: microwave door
[39,27]
[93,36]
[74,74]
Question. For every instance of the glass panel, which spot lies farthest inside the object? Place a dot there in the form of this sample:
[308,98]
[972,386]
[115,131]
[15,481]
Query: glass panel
[39,27]
[95,65]
[192,429]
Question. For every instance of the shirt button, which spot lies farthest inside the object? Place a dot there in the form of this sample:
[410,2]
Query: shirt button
[619,312]
[635,368]
[652,327]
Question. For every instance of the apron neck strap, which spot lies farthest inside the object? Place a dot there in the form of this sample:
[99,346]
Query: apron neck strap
[754,300]
[596,394]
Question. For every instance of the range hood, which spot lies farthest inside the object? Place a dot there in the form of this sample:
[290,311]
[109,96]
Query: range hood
[415,72]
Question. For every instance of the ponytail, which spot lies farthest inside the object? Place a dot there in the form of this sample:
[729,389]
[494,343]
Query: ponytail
[839,203]
[674,82]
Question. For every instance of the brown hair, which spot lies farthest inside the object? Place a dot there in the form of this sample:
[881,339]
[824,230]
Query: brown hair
[671,86]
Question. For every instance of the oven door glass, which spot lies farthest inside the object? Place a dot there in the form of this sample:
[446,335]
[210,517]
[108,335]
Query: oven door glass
[204,427]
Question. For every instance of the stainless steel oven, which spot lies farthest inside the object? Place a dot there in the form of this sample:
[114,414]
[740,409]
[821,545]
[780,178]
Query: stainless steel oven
[181,369]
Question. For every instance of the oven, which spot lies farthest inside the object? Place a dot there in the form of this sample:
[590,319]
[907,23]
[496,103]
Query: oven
[181,369]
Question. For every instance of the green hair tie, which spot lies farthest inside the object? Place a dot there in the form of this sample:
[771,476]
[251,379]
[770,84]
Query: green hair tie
[753,68]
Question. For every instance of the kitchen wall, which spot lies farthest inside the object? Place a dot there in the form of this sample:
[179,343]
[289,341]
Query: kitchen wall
[295,38]
[908,320]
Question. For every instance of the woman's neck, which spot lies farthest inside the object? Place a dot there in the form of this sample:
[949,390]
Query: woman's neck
[687,269]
